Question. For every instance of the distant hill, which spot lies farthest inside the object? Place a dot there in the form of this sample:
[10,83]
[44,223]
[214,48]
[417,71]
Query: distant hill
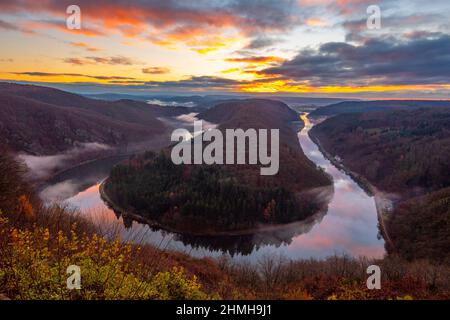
[40,120]
[378,105]
[307,101]
[250,112]
[270,114]
[194,103]
[221,198]
[198,102]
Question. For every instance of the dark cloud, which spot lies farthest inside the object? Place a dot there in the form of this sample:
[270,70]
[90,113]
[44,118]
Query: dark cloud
[394,26]
[266,14]
[376,62]
[261,42]
[202,82]
[115,60]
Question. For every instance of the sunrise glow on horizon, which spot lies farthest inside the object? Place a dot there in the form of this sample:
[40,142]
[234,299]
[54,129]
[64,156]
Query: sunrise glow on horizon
[304,47]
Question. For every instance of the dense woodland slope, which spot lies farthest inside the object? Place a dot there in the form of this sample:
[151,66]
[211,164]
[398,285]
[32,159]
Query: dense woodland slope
[407,153]
[377,105]
[203,199]
[40,120]
[398,151]
[420,227]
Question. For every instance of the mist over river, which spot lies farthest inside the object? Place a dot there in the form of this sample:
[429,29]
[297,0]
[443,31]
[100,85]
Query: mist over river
[349,225]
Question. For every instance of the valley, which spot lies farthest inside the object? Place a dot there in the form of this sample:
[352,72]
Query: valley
[405,153]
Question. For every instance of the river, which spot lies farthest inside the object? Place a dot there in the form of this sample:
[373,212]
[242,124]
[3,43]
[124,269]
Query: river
[349,226]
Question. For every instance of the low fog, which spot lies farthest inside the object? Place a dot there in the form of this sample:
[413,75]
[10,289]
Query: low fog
[42,166]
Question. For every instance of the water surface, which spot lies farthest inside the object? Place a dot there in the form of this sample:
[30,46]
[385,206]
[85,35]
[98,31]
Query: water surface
[349,225]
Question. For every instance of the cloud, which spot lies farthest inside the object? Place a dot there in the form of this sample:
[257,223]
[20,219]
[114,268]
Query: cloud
[162,22]
[395,26]
[257,59]
[56,74]
[261,41]
[316,22]
[60,25]
[85,46]
[76,61]
[375,62]
[8,26]
[201,83]
[155,70]
[114,60]
[4,25]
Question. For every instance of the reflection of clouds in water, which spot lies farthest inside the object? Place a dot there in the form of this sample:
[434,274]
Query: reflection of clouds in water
[111,225]
[374,250]
[343,184]
[315,153]
[338,235]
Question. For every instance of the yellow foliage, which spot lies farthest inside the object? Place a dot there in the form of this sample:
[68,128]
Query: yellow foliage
[33,265]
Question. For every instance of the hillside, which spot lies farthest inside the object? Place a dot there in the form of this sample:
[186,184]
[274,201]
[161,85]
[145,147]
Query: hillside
[399,151]
[381,105]
[39,120]
[420,227]
[406,153]
[202,199]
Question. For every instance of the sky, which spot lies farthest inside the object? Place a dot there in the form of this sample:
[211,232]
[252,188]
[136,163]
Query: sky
[309,48]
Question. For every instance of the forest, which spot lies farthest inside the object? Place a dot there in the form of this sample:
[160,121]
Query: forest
[406,153]
[200,198]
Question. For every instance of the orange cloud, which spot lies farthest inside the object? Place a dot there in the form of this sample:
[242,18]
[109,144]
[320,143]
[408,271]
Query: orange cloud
[155,70]
[167,22]
[84,46]
[315,22]
[232,70]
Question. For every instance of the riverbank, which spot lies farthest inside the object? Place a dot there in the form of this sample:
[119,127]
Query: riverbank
[383,204]
[324,193]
